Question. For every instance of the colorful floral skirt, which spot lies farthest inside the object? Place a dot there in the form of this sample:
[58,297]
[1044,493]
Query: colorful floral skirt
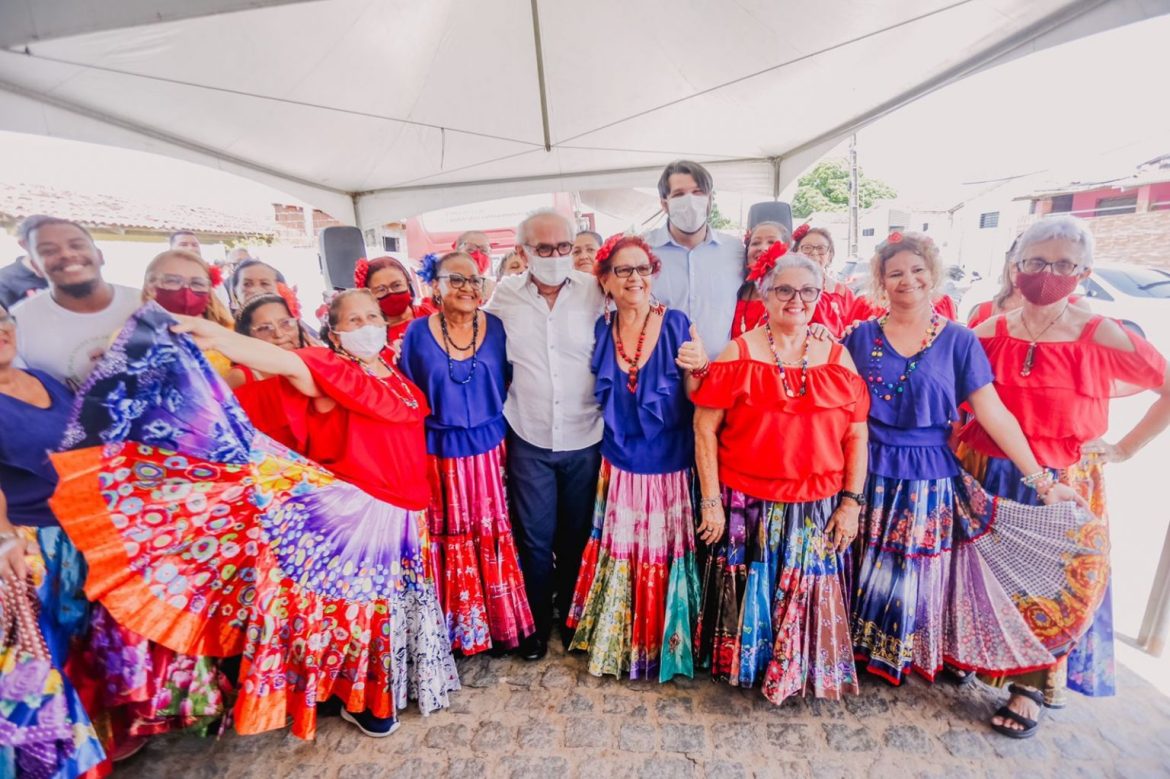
[44,729]
[211,539]
[773,607]
[481,588]
[1090,663]
[637,596]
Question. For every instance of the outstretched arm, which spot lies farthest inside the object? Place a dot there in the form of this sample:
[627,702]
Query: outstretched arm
[256,354]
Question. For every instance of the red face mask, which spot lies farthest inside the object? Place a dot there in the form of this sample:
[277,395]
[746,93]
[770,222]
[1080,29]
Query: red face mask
[1045,288]
[183,301]
[395,303]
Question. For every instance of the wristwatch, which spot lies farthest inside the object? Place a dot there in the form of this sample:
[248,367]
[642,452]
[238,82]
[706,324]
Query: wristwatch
[857,498]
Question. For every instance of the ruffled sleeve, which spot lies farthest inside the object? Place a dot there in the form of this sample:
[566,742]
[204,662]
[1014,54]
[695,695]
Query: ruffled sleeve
[756,385]
[972,368]
[356,391]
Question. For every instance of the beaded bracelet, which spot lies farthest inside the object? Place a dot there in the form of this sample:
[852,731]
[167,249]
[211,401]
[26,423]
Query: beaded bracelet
[708,503]
[1037,478]
[701,372]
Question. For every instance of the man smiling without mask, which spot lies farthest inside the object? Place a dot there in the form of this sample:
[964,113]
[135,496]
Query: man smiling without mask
[64,331]
[702,270]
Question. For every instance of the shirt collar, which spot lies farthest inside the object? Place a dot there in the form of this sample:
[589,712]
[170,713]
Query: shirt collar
[662,237]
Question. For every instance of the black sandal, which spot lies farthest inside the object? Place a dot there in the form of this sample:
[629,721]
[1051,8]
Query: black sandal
[958,677]
[1030,726]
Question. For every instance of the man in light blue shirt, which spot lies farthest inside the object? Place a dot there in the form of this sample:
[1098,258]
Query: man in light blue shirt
[702,270]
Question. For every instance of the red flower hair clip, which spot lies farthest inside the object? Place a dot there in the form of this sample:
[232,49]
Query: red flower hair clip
[290,298]
[766,261]
[215,274]
[799,233]
[361,271]
[894,237]
[608,247]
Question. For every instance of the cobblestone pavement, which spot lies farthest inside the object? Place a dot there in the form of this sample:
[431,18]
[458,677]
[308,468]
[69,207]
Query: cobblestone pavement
[552,720]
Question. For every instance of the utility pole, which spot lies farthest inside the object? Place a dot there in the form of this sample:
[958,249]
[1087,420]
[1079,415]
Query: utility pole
[854,197]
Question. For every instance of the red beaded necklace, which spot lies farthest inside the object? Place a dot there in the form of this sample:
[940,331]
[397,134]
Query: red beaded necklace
[632,382]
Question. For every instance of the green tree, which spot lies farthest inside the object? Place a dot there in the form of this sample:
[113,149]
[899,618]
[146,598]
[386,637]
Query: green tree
[718,221]
[826,188]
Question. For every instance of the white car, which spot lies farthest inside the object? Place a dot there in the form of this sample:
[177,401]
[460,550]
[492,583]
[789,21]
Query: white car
[1137,296]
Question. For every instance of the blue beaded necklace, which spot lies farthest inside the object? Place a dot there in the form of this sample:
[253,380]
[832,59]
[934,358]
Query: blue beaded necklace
[886,390]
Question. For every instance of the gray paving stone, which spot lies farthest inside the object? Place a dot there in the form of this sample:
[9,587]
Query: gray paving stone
[1077,746]
[525,767]
[795,736]
[908,738]
[667,768]
[588,732]
[683,738]
[725,770]
[537,735]
[575,704]
[466,768]
[736,738]
[558,678]
[637,737]
[965,743]
[674,707]
[867,706]
[846,738]
[493,736]
[448,736]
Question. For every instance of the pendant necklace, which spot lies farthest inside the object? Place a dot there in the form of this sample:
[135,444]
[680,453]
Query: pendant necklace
[1030,355]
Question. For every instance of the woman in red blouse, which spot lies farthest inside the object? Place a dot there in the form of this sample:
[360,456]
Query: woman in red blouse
[350,410]
[838,307]
[749,307]
[780,448]
[1008,298]
[1056,367]
[395,291]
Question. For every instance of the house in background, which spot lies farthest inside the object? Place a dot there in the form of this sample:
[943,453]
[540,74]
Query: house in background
[1129,215]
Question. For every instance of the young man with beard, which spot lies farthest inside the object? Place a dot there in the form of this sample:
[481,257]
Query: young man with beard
[65,331]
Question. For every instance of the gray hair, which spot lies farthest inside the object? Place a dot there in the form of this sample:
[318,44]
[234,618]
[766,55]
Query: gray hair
[791,260]
[1057,228]
[522,228]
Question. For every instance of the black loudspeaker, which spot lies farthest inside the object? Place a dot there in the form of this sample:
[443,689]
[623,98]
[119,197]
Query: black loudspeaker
[338,250]
[771,211]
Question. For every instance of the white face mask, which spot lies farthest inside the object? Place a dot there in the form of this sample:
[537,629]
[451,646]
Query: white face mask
[551,270]
[688,212]
[365,342]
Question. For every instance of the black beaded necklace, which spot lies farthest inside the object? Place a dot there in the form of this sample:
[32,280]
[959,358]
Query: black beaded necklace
[449,343]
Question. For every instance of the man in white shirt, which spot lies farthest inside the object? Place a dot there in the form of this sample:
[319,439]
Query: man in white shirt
[702,270]
[64,331]
[554,422]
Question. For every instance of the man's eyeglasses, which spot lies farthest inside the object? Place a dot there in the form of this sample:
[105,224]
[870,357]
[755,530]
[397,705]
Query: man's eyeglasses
[785,293]
[549,250]
[1037,265]
[268,330]
[459,281]
[625,271]
[382,290]
[172,283]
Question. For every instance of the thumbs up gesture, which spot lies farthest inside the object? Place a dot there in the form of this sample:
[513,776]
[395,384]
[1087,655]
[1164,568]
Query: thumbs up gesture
[691,355]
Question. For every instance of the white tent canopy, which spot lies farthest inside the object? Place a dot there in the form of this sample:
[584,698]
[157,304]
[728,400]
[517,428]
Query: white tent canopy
[378,109]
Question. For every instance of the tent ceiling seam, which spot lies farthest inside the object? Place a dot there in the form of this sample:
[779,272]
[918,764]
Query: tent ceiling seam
[27,52]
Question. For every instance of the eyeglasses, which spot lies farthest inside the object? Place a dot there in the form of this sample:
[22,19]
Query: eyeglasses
[476,247]
[458,280]
[548,249]
[785,293]
[268,330]
[382,290]
[625,271]
[819,251]
[1037,265]
[172,282]
[7,321]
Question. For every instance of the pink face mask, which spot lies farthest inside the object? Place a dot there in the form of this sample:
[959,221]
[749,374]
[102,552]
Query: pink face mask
[1045,288]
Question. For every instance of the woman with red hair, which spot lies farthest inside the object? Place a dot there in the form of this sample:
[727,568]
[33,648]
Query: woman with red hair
[634,606]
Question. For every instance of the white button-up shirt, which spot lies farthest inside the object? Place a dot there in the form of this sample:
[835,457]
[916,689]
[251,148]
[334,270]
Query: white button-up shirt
[701,282]
[550,403]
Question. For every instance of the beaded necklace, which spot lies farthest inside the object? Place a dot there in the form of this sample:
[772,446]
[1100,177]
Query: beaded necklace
[780,364]
[449,342]
[409,399]
[886,390]
[632,381]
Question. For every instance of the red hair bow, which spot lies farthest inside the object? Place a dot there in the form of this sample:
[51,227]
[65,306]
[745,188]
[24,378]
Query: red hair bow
[894,237]
[216,275]
[799,233]
[361,270]
[767,261]
[290,298]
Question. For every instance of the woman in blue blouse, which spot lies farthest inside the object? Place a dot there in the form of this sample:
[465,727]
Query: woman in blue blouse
[35,409]
[457,357]
[636,600]
[911,599]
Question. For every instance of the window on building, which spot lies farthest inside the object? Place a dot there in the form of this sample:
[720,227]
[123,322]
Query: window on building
[925,226]
[389,243]
[1061,204]
[988,220]
[867,232]
[1111,206]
